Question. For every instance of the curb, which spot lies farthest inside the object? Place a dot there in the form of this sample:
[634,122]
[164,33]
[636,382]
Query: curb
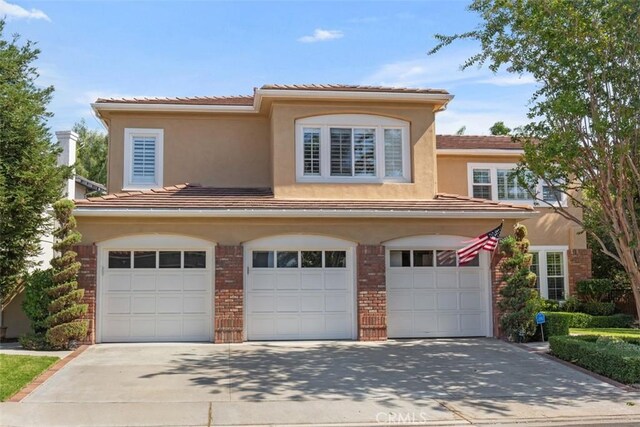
[44,376]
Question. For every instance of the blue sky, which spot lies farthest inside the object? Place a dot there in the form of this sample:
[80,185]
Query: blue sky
[94,49]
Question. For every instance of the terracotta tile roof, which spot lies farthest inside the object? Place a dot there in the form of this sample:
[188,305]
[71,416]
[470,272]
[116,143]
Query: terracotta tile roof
[465,142]
[190,196]
[355,88]
[248,99]
[198,100]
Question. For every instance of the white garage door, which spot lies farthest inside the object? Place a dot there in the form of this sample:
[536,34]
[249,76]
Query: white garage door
[156,295]
[428,295]
[300,293]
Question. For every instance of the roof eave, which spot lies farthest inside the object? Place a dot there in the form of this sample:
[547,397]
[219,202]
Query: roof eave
[81,211]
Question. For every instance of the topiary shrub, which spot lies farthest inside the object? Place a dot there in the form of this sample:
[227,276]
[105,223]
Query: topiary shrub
[36,299]
[65,321]
[615,321]
[520,301]
[557,323]
[571,305]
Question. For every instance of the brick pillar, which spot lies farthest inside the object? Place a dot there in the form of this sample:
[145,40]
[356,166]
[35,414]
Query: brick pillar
[496,285]
[87,256]
[229,295]
[372,294]
[579,267]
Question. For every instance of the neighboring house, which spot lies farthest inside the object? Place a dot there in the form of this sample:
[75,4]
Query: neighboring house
[13,317]
[304,212]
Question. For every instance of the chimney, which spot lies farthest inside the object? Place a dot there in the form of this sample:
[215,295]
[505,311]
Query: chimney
[67,140]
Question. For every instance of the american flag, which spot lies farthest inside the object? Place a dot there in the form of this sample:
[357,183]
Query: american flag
[487,241]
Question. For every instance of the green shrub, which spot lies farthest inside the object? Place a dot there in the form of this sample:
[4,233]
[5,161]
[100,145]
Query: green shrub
[594,290]
[520,301]
[549,305]
[598,308]
[615,321]
[571,305]
[617,360]
[34,341]
[36,299]
[66,311]
[557,323]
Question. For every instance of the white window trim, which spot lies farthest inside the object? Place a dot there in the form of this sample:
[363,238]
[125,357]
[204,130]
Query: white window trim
[129,134]
[351,121]
[493,171]
[542,267]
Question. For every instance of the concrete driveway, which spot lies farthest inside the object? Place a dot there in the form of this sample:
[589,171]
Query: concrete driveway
[467,381]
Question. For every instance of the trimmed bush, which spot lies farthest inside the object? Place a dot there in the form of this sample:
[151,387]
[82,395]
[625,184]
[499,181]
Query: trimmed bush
[594,290]
[612,358]
[615,321]
[559,322]
[36,299]
[598,308]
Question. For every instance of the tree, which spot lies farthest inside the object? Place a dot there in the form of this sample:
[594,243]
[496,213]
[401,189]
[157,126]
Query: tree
[584,139]
[461,131]
[30,179]
[65,322]
[520,299]
[499,128]
[91,160]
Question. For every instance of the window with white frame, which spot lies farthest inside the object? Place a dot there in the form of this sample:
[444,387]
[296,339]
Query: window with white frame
[498,182]
[352,148]
[549,265]
[143,153]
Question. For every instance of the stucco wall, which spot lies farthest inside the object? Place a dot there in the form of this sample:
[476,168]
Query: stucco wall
[212,150]
[548,228]
[14,318]
[237,231]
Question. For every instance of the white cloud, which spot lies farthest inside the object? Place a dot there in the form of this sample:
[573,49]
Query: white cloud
[320,35]
[365,20]
[476,122]
[13,11]
[509,80]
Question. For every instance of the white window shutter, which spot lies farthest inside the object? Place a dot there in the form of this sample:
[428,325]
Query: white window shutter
[144,159]
[393,153]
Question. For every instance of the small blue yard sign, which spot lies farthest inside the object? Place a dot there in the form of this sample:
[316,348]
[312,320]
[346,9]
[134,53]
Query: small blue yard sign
[540,319]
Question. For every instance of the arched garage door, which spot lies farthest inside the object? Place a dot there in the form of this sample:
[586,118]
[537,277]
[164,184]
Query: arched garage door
[430,295]
[299,287]
[155,288]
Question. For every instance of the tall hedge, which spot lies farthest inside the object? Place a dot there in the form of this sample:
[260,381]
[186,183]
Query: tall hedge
[65,321]
[519,298]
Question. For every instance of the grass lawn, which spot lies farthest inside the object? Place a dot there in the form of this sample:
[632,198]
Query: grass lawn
[17,371]
[610,332]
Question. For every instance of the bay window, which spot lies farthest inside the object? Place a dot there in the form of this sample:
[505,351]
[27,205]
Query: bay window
[352,148]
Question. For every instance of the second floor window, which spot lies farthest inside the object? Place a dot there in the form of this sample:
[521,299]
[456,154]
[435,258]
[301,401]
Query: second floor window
[143,158]
[498,182]
[352,147]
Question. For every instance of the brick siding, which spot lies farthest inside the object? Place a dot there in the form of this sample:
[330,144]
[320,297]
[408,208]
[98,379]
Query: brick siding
[496,285]
[87,256]
[229,295]
[372,295]
[579,267]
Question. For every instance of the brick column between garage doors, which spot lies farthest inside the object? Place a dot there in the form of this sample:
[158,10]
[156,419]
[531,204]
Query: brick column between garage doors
[87,256]
[229,295]
[372,294]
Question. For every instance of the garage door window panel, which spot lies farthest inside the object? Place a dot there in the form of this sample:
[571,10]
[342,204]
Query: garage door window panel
[170,259]
[119,259]
[446,258]
[311,259]
[195,259]
[262,259]
[287,259]
[144,259]
[423,258]
[335,259]
[400,259]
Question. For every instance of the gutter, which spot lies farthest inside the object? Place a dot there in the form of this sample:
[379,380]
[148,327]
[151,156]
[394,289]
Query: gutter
[293,213]
[479,152]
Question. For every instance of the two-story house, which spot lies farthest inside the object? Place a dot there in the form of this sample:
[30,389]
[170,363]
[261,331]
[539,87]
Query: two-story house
[304,212]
